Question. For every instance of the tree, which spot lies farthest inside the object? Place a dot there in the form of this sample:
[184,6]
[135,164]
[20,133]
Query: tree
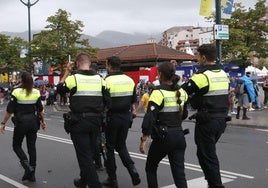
[247,34]
[61,38]
[10,54]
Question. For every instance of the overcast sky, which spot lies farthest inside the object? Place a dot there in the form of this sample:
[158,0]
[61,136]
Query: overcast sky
[146,16]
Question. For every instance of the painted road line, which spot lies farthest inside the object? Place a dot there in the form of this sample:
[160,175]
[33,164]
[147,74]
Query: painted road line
[48,137]
[12,182]
[199,183]
[264,130]
[189,166]
[196,167]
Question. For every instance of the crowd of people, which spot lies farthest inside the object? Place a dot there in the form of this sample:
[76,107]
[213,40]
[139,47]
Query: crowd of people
[246,94]
[109,105]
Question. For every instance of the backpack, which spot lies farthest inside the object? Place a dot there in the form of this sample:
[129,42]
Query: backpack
[240,87]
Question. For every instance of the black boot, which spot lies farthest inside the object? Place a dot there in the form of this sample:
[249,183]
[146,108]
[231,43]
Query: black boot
[109,182]
[245,117]
[28,170]
[134,175]
[238,112]
[79,183]
[98,165]
[32,175]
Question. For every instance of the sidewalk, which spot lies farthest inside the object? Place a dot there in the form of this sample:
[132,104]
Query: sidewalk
[258,118]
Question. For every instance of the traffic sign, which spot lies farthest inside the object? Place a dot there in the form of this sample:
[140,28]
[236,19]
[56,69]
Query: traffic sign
[221,32]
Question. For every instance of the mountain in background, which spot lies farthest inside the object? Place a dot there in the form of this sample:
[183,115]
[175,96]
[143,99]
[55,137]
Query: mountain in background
[105,39]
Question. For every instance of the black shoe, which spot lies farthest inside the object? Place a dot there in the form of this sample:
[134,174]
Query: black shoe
[237,116]
[29,171]
[134,175]
[136,180]
[110,183]
[79,183]
[99,167]
[245,118]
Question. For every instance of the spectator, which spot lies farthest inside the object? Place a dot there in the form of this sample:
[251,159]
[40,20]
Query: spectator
[245,98]
[144,99]
[265,89]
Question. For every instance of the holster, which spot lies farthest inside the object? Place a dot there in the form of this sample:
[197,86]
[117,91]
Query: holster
[69,120]
[159,132]
[202,117]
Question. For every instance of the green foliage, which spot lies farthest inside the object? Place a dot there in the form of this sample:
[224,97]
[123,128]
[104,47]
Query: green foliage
[61,38]
[10,54]
[247,33]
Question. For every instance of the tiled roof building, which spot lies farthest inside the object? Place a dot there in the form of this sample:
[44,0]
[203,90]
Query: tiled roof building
[142,55]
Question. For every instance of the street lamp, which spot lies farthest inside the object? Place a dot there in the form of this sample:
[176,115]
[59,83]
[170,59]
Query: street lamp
[218,21]
[29,4]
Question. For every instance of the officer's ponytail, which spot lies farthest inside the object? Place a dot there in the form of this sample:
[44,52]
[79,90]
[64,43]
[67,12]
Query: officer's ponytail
[168,74]
[27,82]
[175,80]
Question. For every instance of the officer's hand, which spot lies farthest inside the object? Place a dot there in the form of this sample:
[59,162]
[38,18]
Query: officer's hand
[43,125]
[142,146]
[69,66]
[2,128]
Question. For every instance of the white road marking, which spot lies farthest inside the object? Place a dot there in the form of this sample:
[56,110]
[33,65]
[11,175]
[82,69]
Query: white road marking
[189,166]
[199,183]
[194,167]
[12,182]
[264,130]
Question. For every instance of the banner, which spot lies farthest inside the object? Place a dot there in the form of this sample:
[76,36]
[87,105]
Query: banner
[226,10]
[205,7]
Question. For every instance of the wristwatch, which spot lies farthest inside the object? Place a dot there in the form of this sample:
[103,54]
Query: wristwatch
[3,123]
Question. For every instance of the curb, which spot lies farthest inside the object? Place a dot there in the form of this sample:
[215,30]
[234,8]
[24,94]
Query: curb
[231,123]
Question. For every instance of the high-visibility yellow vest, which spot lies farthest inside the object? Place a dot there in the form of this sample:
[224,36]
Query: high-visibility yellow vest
[88,96]
[216,99]
[22,98]
[120,85]
[169,98]
[121,88]
[169,115]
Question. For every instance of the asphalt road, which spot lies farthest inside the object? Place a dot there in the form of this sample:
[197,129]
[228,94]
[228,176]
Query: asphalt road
[242,153]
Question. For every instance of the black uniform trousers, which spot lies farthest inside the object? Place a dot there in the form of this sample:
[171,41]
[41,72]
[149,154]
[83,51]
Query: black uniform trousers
[206,136]
[116,134]
[174,146]
[26,127]
[84,137]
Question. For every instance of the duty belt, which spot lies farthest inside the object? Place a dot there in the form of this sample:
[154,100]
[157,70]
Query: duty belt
[89,114]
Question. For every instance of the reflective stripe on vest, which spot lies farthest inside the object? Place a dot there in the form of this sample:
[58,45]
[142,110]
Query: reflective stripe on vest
[170,99]
[86,85]
[218,83]
[21,97]
[120,85]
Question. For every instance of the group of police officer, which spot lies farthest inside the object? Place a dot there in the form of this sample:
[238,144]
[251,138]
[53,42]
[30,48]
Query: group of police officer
[207,92]
[91,96]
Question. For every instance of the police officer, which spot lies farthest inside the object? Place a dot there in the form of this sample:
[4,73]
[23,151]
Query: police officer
[25,104]
[208,89]
[122,90]
[88,98]
[163,119]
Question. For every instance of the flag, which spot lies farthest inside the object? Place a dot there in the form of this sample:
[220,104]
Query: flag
[226,10]
[205,7]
